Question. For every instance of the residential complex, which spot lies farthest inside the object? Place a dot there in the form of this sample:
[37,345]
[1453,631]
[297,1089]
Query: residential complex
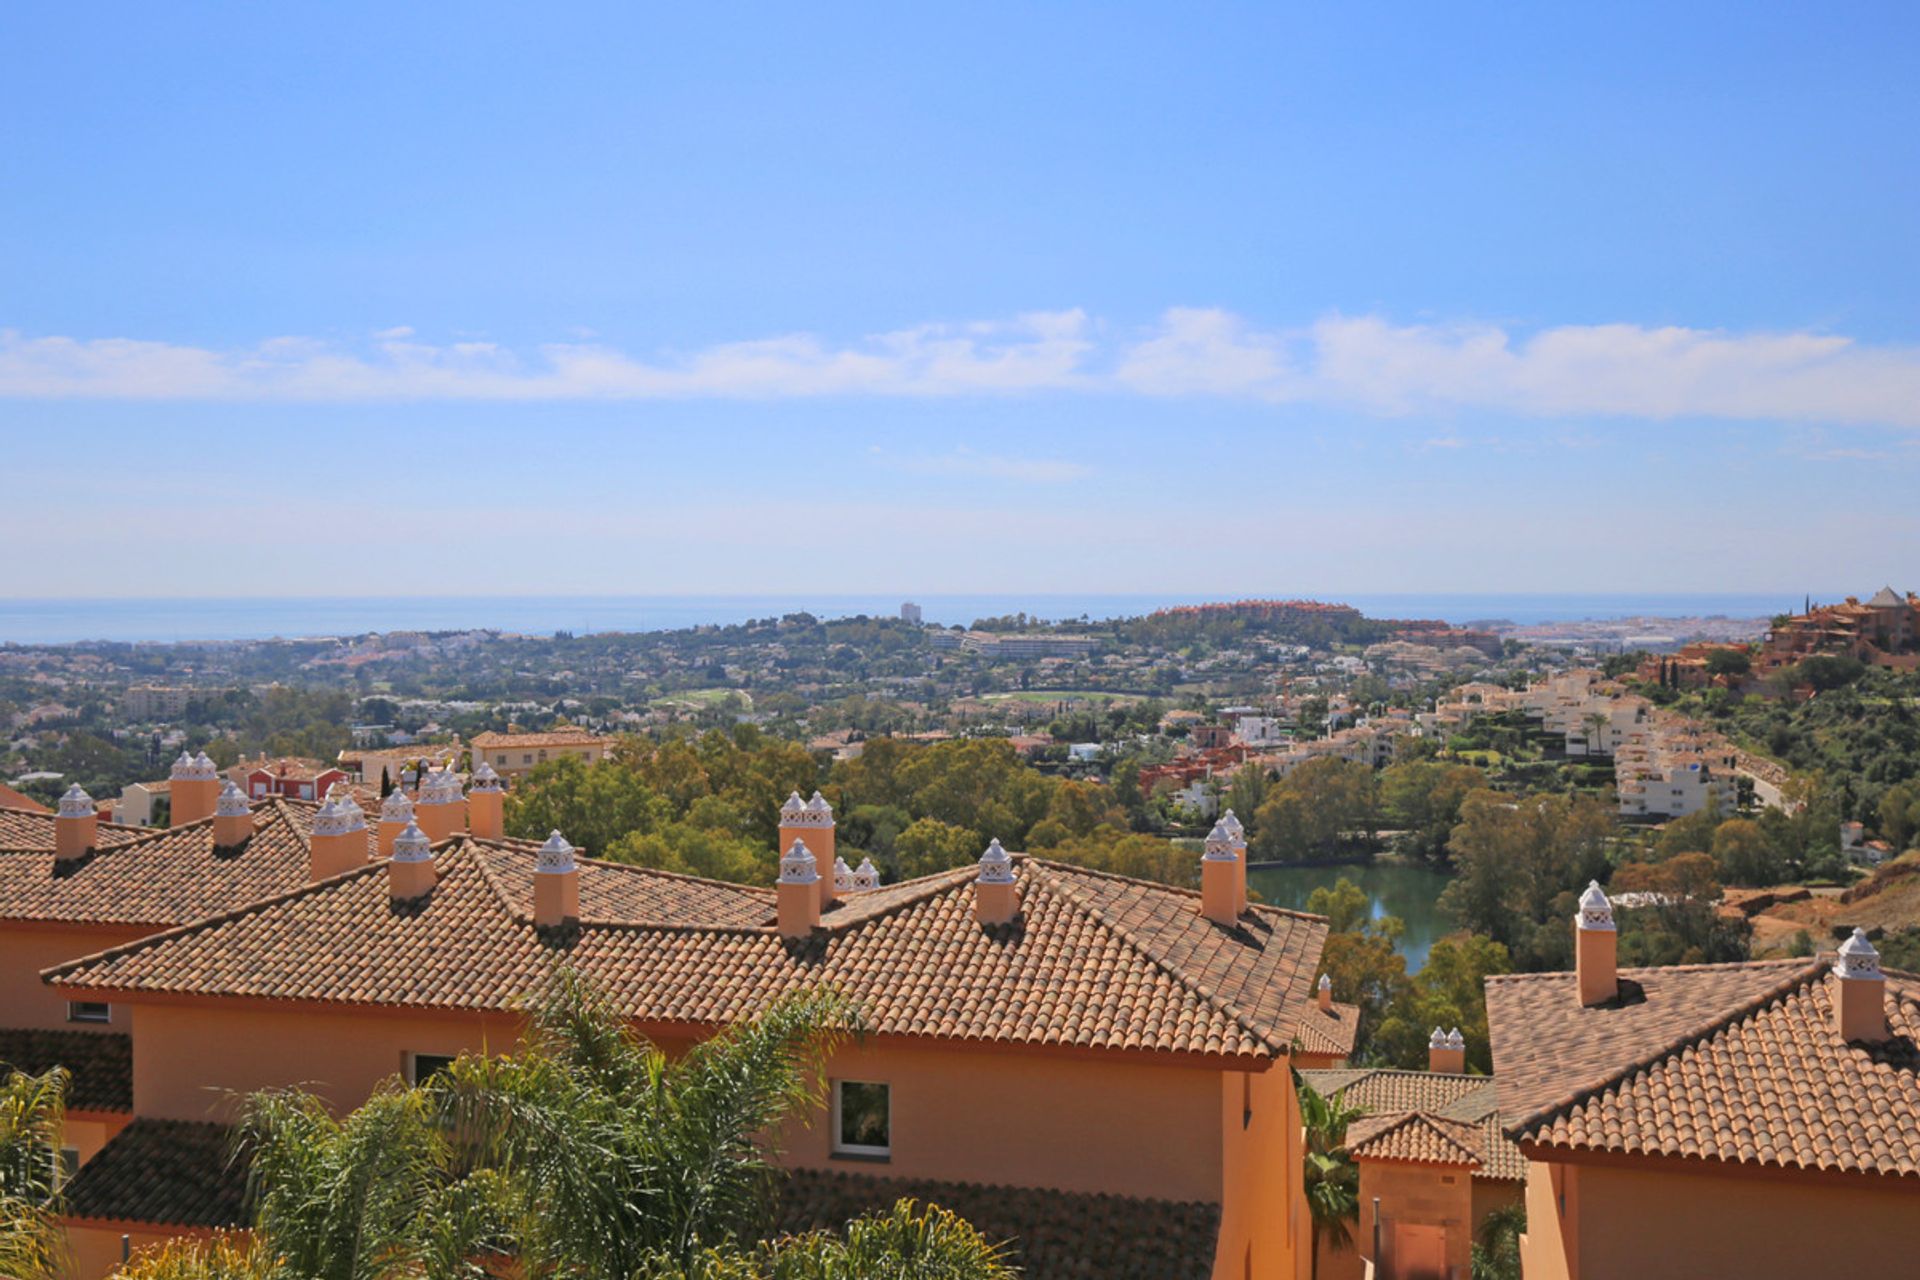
[1135,1041]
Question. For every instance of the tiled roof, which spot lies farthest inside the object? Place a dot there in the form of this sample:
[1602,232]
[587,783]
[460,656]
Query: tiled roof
[161,876]
[33,829]
[1740,1063]
[99,1062]
[182,1174]
[174,1173]
[11,799]
[1093,960]
[563,738]
[1050,1235]
[1331,1032]
[1419,1136]
[1384,1093]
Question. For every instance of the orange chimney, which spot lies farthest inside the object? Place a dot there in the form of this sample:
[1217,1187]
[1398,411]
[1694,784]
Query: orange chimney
[811,823]
[441,810]
[232,818]
[1220,871]
[75,826]
[996,897]
[339,840]
[193,789]
[1324,993]
[410,872]
[396,815]
[1447,1052]
[1594,948]
[1237,835]
[556,884]
[486,804]
[799,892]
[1859,992]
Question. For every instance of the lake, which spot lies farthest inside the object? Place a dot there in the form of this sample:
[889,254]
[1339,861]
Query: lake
[1396,889]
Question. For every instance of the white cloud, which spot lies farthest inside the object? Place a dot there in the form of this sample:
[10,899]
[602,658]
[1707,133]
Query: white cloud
[1360,362]
[965,462]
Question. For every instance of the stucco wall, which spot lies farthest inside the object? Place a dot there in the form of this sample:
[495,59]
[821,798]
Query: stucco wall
[1650,1222]
[1263,1227]
[1031,1119]
[190,1063]
[26,1001]
[1420,1195]
[93,1252]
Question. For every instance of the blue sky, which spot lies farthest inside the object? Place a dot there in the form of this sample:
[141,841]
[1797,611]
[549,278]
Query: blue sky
[1215,299]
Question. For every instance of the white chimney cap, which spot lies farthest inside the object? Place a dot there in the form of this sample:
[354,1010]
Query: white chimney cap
[794,804]
[1219,845]
[866,875]
[1455,1040]
[333,818]
[1858,959]
[798,867]
[555,856]
[1438,1040]
[1232,824]
[350,811]
[396,808]
[818,804]
[1595,911]
[485,779]
[193,768]
[996,866]
[1326,983]
[842,876]
[232,802]
[442,786]
[412,845]
[76,803]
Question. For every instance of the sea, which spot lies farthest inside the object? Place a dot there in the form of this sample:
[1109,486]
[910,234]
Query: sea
[46,621]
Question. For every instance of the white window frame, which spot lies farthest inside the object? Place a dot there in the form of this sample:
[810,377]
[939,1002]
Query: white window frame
[100,1019]
[856,1150]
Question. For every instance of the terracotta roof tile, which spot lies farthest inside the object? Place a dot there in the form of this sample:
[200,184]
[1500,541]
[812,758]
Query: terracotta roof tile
[99,1062]
[1092,960]
[32,829]
[161,876]
[1385,1093]
[561,738]
[1331,1032]
[1417,1136]
[1050,1235]
[174,1173]
[1739,1063]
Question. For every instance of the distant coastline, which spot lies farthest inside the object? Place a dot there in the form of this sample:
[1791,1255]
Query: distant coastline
[24,621]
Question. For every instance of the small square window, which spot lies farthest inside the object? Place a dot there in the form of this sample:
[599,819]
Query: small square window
[88,1011]
[422,1067]
[862,1119]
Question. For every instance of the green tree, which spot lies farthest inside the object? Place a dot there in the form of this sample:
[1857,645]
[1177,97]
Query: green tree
[1899,814]
[1361,954]
[1496,1254]
[1422,798]
[1448,991]
[1744,855]
[930,845]
[32,1116]
[1330,1179]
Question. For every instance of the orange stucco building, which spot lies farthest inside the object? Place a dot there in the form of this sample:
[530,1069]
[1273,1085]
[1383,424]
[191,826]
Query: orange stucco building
[1756,1119]
[1115,1052]
[72,885]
